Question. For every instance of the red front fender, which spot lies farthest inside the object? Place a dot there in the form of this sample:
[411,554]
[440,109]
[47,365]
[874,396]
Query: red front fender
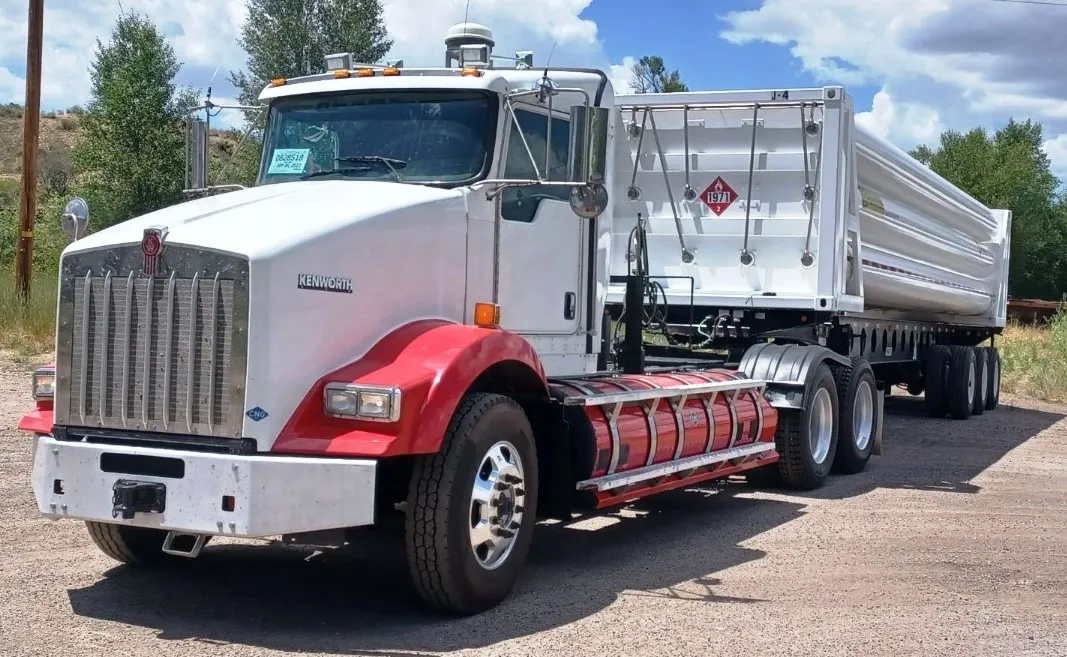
[40,419]
[433,363]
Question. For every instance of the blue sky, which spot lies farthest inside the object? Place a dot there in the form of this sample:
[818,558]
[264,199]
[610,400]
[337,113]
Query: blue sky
[913,68]
[705,61]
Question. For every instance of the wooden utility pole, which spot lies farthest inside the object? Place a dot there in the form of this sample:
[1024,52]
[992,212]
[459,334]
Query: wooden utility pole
[31,124]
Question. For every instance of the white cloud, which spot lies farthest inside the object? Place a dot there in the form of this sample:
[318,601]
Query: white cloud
[204,34]
[1056,149]
[621,75]
[904,123]
[948,63]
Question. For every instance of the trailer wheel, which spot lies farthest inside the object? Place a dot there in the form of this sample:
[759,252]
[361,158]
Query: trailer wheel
[936,379]
[807,440]
[981,381]
[138,546]
[992,399]
[962,382]
[472,507]
[857,396]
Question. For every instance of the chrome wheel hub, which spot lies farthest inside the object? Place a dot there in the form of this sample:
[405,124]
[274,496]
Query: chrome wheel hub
[497,505]
[863,415]
[821,426]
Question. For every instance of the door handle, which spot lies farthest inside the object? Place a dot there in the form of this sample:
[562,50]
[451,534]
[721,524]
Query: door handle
[570,305]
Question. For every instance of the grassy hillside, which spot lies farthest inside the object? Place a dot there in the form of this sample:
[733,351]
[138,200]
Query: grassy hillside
[60,132]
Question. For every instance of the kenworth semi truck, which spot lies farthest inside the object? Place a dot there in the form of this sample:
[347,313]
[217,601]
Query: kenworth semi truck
[462,299]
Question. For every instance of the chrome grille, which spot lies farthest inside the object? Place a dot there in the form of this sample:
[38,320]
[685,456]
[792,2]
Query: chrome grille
[164,354]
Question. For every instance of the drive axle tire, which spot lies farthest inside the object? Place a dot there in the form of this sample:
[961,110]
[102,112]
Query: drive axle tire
[138,546]
[962,382]
[981,381]
[857,393]
[993,374]
[806,439]
[936,378]
[472,507]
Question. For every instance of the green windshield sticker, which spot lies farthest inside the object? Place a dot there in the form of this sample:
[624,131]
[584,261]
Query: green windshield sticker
[289,160]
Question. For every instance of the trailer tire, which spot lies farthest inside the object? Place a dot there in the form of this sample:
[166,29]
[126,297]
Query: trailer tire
[802,465]
[137,546]
[993,374]
[858,400]
[936,379]
[962,382]
[488,435]
[981,381]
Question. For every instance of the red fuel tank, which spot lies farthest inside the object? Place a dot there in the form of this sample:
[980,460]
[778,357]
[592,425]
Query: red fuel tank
[652,432]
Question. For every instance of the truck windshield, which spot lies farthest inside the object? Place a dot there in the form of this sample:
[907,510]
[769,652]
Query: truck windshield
[403,136]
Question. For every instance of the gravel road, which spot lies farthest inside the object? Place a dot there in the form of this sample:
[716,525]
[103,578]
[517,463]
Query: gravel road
[953,543]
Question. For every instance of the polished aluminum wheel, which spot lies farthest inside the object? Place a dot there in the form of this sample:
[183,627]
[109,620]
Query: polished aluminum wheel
[821,425]
[863,415]
[497,499]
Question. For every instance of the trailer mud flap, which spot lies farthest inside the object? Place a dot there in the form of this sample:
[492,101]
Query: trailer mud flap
[876,448]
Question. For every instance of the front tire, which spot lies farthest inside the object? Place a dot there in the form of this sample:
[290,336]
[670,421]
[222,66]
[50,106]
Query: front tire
[472,507]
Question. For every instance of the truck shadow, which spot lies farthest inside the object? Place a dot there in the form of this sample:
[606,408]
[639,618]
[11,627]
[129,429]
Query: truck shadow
[357,601]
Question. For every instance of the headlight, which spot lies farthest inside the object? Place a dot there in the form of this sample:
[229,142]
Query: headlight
[44,383]
[362,402]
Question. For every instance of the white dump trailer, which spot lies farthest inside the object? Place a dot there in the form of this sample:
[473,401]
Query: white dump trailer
[775,214]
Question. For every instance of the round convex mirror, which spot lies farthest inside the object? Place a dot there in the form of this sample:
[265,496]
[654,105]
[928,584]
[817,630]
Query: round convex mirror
[75,218]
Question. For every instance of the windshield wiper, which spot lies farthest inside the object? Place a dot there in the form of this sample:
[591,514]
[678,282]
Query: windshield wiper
[344,171]
[390,162]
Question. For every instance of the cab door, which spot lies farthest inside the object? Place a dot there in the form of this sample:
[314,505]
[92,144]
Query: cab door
[540,289]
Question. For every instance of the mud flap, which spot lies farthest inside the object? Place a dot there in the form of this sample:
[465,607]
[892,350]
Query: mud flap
[876,448]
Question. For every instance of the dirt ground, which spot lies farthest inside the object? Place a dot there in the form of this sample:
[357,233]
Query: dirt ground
[953,543]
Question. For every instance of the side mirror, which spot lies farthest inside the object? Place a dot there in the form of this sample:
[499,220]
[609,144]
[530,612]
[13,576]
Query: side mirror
[75,218]
[588,160]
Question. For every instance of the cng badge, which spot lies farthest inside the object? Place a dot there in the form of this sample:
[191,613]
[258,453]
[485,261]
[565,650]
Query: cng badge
[256,414]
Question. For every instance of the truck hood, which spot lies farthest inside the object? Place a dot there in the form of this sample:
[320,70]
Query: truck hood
[260,221]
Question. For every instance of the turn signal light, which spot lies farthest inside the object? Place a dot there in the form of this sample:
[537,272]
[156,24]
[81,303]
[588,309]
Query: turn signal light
[486,315]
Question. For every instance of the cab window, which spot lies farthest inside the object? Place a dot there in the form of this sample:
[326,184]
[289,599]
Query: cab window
[521,203]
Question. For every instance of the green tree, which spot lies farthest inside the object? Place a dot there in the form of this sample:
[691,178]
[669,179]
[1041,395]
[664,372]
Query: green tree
[132,153]
[1008,169]
[650,75]
[288,38]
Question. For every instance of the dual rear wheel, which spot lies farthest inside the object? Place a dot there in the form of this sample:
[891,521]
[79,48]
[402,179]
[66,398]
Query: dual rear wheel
[832,432]
[962,381]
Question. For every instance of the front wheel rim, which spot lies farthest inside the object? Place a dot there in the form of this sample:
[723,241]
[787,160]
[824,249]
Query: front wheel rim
[497,505]
[863,415]
[821,426]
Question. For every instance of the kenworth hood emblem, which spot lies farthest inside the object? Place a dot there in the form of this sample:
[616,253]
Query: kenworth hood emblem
[152,247]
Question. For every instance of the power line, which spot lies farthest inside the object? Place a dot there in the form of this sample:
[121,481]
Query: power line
[1046,3]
